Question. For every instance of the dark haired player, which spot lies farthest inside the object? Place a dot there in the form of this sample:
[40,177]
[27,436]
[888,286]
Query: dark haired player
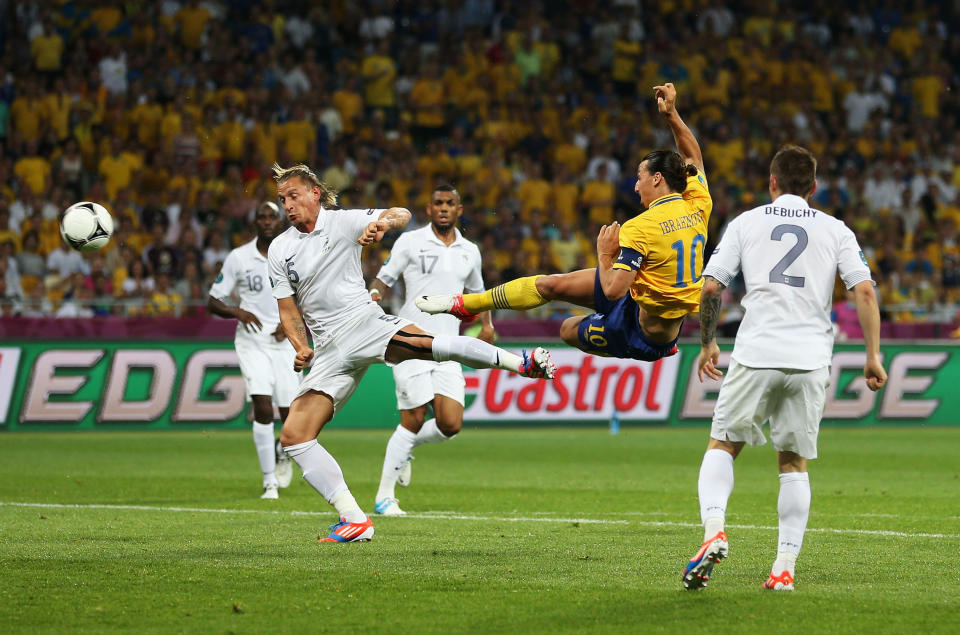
[648,274]
[265,355]
[433,259]
[790,255]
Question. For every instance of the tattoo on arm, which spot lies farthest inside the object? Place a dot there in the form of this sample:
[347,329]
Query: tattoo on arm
[710,310]
[300,329]
[297,330]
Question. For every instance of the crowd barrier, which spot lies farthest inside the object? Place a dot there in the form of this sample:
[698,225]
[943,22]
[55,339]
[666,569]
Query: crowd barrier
[183,383]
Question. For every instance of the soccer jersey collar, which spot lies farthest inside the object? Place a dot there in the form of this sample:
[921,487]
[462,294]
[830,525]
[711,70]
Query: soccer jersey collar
[252,245]
[790,200]
[319,226]
[669,198]
[432,237]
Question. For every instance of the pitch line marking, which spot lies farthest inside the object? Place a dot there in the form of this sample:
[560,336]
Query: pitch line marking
[293,512]
[458,516]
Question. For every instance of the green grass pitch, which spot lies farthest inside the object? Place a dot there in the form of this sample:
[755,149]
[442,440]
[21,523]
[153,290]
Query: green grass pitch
[529,530]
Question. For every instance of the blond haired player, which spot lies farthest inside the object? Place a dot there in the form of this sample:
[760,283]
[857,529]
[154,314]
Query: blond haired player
[648,276]
[790,255]
[318,283]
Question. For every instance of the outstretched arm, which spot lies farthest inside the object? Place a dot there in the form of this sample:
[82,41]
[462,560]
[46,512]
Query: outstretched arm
[687,144]
[296,331]
[869,315]
[709,315]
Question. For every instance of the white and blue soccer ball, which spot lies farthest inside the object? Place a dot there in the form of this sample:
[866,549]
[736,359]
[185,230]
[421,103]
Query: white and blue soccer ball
[86,226]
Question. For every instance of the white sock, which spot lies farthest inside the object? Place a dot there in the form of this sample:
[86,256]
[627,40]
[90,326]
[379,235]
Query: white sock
[714,487]
[793,507]
[785,561]
[348,508]
[266,452]
[398,451]
[323,473]
[430,433]
[473,353]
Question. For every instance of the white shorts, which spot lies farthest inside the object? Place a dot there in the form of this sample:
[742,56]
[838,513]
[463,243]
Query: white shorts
[268,370]
[341,362]
[792,400]
[418,381]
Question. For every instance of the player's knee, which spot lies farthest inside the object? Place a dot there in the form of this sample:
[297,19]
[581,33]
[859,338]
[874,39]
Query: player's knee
[289,437]
[791,462]
[449,426]
[570,331]
[552,286]
[262,409]
[730,447]
[412,420]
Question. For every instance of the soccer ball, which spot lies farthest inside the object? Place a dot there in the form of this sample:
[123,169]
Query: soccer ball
[86,226]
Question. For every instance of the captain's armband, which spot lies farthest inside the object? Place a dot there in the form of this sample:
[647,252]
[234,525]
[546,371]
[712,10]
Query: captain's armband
[628,260]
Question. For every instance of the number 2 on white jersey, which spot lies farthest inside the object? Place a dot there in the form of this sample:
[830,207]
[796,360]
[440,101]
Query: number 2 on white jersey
[777,275]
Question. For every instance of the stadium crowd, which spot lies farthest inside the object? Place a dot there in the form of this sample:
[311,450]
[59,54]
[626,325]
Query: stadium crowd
[171,113]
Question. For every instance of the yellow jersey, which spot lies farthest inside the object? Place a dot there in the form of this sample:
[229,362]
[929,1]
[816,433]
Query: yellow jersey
[664,247]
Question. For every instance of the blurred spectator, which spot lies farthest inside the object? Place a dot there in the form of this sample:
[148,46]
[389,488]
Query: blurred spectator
[33,169]
[161,257]
[37,304]
[62,263]
[30,263]
[77,300]
[113,69]
[164,301]
[47,49]
[190,21]
[215,251]
[7,232]
[602,156]
[9,271]
[379,71]
[137,288]
[881,190]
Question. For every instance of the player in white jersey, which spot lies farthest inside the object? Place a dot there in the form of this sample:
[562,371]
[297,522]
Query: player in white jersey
[266,357]
[790,255]
[316,277]
[433,259]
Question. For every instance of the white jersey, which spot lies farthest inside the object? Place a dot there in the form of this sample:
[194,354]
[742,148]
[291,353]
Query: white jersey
[430,267]
[790,255]
[243,277]
[322,269]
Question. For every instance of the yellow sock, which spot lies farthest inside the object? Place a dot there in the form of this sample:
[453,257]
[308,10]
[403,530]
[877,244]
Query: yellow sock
[520,294]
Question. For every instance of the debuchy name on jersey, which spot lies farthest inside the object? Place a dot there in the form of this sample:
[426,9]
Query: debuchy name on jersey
[321,269]
[429,266]
[790,255]
[244,277]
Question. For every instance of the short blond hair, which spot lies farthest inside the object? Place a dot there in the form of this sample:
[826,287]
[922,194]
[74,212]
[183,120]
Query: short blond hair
[328,196]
